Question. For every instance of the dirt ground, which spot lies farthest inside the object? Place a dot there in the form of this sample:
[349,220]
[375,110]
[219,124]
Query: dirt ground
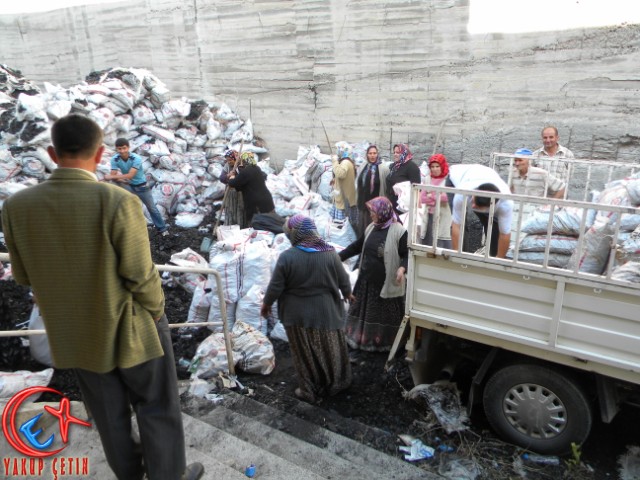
[375,398]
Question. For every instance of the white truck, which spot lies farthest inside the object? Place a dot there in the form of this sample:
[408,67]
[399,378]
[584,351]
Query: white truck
[548,347]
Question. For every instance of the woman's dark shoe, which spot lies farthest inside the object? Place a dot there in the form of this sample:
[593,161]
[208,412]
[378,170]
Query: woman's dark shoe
[194,471]
[303,396]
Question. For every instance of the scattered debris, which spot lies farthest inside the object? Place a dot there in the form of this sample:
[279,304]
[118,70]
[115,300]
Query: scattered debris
[416,450]
[444,401]
[459,468]
[629,463]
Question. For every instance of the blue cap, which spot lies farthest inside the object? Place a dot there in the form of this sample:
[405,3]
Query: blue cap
[523,151]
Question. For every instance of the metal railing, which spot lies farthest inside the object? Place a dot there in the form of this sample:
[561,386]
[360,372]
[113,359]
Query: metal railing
[552,207]
[4,257]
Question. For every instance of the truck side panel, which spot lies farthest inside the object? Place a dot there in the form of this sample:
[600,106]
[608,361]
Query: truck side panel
[549,317]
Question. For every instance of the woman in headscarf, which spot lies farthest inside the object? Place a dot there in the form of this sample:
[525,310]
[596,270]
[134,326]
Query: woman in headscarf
[251,181]
[309,282]
[233,204]
[402,170]
[439,169]
[344,171]
[375,315]
[371,183]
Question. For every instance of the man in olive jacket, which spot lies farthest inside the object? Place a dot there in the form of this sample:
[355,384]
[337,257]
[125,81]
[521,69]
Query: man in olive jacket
[83,248]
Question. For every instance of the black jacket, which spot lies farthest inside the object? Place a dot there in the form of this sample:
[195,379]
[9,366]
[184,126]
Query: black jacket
[250,180]
[407,171]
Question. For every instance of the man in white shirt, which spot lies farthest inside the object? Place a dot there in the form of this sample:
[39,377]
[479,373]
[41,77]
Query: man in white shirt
[528,180]
[481,178]
[551,148]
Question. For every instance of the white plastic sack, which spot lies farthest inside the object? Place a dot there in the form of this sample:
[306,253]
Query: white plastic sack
[252,350]
[12,382]
[629,272]
[162,176]
[215,312]
[403,191]
[164,193]
[188,258]
[39,344]
[58,108]
[158,149]
[248,310]
[278,332]
[175,108]
[342,235]
[143,114]
[188,219]
[633,190]
[566,221]
[200,304]
[628,247]
[558,260]
[557,244]
[9,188]
[595,249]
[262,236]
[256,267]
[210,358]
[32,166]
[160,133]
[227,263]
[123,122]
[30,108]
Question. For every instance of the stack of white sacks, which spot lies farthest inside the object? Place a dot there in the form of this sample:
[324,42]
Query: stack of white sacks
[245,260]
[599,237]
[181,140]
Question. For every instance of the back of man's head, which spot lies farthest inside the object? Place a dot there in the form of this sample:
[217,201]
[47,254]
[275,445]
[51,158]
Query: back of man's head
[76,136]
[122,142]
[485,201]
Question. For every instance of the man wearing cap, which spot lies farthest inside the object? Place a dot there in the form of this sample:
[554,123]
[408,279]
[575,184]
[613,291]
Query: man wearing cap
[551,148]
[534,181]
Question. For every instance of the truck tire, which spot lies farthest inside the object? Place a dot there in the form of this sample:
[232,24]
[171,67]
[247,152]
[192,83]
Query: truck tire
[537,408]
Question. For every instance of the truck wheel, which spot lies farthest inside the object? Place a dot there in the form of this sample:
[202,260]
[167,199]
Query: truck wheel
[537,408]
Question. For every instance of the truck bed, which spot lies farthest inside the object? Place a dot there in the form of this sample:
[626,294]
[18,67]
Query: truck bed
[583,320]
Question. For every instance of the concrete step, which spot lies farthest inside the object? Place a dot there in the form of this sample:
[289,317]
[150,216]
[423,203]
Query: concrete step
[237,453]
[315,448]
[227,438]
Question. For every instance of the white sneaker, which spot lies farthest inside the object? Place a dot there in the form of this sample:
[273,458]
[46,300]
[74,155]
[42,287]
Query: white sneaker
[165,233]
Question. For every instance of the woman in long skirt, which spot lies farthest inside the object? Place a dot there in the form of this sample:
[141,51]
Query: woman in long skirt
[375,315]
[310,283]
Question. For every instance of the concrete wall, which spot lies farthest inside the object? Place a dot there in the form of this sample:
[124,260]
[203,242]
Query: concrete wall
[395,70]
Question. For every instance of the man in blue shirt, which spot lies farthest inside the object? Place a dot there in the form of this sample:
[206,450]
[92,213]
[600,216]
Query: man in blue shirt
[126,168]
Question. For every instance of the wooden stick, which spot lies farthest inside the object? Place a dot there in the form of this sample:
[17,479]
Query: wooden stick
[326,135]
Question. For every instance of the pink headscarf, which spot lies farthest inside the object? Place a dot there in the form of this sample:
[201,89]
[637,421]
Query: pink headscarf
[405,156]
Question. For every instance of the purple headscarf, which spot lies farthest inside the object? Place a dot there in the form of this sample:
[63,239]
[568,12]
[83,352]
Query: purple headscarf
[383,209]
[303,234]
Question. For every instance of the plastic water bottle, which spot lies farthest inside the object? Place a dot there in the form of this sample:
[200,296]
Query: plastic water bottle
[541,459]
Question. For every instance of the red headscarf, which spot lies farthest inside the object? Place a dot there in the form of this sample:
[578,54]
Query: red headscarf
[442,161]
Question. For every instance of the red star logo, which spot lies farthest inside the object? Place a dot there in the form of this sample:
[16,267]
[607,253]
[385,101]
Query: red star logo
[65,418]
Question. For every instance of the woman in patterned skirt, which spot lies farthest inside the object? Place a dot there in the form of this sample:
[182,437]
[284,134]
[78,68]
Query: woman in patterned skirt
[309,282]
[375,315]
[233,202]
